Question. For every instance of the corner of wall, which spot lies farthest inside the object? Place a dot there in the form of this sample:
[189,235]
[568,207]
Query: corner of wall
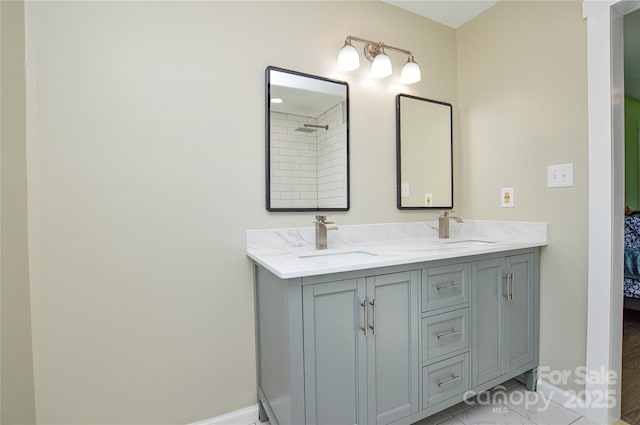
[16,368]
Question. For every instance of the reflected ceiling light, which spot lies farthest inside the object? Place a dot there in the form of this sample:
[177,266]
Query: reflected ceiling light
[276,100]
[381,67]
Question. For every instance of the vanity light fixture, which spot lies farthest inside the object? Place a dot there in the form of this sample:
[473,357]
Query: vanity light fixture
[381,65]
[348,60]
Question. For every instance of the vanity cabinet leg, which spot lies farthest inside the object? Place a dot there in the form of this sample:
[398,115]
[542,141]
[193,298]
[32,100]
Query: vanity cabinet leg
[262,414]
[531,379]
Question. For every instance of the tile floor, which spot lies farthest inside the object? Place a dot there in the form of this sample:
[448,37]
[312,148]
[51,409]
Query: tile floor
[508,408]
[510,404]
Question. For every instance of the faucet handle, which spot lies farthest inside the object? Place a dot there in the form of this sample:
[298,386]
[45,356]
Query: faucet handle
[446,214]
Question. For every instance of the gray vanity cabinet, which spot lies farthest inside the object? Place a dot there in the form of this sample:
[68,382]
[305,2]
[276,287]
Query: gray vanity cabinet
[396,344]
[505,326]
[361,349]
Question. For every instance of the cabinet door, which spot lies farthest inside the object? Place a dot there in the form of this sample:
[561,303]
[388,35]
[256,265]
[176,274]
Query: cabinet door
[392,346]
[520,310]
[488,310]
[335,353]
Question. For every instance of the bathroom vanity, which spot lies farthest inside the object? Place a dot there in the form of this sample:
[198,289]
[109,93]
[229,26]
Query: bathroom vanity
[392,324]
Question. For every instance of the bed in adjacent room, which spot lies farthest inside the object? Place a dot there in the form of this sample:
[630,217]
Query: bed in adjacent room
[632,261]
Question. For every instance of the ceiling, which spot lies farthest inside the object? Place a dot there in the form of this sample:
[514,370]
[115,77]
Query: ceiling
[452,13]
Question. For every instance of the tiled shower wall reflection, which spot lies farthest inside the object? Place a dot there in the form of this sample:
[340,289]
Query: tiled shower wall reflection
[332,159]
[308,169]
[294,157]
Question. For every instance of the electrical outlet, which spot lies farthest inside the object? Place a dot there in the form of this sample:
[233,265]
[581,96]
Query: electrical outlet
[428,199]
[560,175]
[506,197]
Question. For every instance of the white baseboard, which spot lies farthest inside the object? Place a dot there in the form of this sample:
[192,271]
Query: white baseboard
[559,396]
[246,416]
[249,415]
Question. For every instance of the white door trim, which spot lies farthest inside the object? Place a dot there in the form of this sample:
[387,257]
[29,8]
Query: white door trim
[605,59]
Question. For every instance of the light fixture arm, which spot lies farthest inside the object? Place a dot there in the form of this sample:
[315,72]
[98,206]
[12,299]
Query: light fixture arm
[375,47]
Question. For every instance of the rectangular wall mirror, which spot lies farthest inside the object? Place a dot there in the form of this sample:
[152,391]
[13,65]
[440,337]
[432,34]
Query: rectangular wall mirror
[307,149]
[424,153]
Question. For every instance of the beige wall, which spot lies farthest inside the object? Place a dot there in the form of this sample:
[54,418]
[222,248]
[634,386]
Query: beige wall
[523,105]
[146,166]
[16,368]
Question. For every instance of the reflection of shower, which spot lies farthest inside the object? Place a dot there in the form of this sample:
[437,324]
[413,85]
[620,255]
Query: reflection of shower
[310,128]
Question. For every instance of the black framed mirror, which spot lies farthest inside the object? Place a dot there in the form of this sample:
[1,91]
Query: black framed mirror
[307,142]
[424,153]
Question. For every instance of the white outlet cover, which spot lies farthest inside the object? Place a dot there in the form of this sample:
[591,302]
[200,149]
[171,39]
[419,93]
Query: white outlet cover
[404,190]
[506,197]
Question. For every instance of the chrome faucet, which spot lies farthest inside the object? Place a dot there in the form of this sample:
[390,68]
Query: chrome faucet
[443,224]
[321,230]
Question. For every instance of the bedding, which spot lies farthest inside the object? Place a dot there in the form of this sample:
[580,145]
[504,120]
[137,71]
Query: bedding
[631,288]
[632,256]
[632,263]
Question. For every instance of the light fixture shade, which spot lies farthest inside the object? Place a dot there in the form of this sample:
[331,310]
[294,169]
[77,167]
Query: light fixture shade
[381,66]
[410,72]
[348,59]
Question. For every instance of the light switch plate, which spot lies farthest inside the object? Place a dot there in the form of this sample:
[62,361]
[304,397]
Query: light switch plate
[404,190]
[506,198]
[560,175]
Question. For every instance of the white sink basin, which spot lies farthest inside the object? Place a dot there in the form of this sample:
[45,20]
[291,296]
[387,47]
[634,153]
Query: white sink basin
[440,245]
[339,254]
[466,242]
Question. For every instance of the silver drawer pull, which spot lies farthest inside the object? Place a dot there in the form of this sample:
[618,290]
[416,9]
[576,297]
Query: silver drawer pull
[451,380]
[449,285]
[452,332]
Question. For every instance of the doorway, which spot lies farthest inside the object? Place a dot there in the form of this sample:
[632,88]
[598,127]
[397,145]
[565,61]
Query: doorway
[605,61]
[630,374]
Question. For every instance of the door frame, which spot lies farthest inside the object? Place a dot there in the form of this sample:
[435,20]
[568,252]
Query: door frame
[605,64]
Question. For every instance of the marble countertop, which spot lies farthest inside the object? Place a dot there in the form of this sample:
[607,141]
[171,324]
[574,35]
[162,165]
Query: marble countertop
[290,253]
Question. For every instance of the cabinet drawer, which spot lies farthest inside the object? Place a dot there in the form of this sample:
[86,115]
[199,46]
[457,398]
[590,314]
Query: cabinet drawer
[445,286]
[445,333]
[445,379]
